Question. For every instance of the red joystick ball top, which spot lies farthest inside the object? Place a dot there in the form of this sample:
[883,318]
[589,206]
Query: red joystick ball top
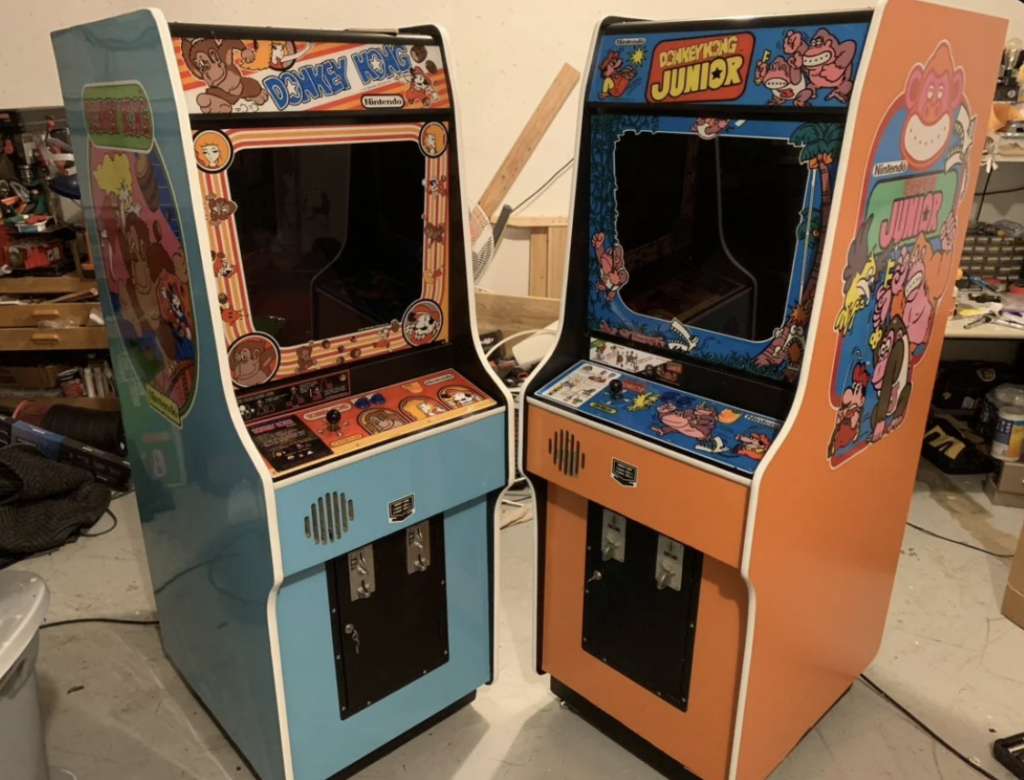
[333,418]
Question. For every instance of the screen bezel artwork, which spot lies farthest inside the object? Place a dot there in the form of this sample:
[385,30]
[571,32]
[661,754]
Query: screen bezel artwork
[345,348]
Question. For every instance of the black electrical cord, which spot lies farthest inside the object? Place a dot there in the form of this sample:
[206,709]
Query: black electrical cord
[102,533]
[956,541]
[917,722]
[544,186]
[984,192]
[984,195]
[117,621]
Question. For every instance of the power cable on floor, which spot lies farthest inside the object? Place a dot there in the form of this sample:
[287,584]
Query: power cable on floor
[917,722]
[957,541]
[117,621]
[104,532]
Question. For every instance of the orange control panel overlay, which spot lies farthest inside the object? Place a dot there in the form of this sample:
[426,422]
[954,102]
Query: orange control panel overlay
[311,432]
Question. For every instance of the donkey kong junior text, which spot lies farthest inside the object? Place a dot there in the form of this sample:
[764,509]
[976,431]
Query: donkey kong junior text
[696,66]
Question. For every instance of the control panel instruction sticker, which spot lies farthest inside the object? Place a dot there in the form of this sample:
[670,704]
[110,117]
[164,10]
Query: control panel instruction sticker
[401,509]
[624,473]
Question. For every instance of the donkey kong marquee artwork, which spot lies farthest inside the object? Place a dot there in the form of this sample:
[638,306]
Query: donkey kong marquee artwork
[771,66]
[223,76]
[140,247]
[900,264]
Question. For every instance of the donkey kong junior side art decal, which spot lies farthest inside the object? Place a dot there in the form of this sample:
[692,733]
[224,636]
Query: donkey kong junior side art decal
[140,245]
[900,264]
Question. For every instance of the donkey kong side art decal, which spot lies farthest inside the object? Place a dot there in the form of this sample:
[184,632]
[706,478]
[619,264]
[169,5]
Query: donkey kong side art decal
[900,264]
[140,246]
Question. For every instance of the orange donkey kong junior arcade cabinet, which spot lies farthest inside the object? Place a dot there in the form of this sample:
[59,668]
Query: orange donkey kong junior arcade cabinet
[768,215]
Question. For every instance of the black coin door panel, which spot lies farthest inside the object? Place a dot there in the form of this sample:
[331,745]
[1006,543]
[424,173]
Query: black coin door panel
[389,614]
[640,603]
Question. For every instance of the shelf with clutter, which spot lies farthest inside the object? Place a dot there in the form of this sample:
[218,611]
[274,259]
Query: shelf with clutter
[52,339]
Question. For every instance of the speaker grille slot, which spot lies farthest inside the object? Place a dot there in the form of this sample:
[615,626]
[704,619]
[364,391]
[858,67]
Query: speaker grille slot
[329,517]
[566,453]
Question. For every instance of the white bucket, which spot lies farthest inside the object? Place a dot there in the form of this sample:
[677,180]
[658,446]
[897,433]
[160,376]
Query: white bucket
[24,599]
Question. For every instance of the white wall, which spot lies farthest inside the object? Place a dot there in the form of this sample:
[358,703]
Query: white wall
[506,54]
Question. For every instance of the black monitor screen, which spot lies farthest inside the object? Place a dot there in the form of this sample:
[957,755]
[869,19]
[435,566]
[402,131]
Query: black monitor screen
[724,266]
[331,237]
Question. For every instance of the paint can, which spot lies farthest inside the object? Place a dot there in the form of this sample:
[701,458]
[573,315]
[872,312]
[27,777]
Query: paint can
[1008,437]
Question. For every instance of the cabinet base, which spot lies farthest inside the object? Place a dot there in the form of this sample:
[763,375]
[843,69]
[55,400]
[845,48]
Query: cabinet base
[623,735]
[401,739]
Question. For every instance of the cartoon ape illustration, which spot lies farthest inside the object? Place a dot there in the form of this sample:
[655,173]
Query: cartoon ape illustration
[276,55]
[616,77]
[252,364]
[787,345]
[708,128]
[697,423]
[434,233]
[858,278]
[891,379]
[220,209]
[933,94]
[918,308]
[827,62]
[785,80]
[848,416]
[305,358]
[613,267]
[380,420]
[140,297]
[214,64]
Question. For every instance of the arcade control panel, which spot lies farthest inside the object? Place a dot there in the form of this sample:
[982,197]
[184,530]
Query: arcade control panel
[314,421]
[711,431]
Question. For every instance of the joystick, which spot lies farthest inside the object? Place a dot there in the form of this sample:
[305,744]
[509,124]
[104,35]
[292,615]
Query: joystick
[615,388]
[333,418]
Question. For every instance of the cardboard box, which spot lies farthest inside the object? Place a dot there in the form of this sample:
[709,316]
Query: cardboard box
[1009,477]
[31,377]
[1013,601]
[1002,497]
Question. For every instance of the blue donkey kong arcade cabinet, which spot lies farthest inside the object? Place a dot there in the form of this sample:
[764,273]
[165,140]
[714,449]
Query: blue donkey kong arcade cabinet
[277,223]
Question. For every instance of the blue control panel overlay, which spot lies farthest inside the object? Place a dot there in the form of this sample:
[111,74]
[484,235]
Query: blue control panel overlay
[723,435]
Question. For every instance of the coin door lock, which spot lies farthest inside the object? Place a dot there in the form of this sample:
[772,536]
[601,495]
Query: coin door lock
[362,580]
[613,537]
[350,630]
[417,548]
[669,570]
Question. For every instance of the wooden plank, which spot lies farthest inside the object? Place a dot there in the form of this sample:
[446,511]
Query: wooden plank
[539,263]
[538,124]
[103,404]
[20,339]
[513,313]
[537,222]
[557,240]
[30,314]
[43,285]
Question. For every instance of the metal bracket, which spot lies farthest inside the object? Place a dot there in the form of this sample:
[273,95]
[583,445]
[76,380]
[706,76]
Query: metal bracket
[613,537]
[417,547]
[668,571]
[362,579]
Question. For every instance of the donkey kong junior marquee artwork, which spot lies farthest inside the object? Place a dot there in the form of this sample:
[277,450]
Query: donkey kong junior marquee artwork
[722,492]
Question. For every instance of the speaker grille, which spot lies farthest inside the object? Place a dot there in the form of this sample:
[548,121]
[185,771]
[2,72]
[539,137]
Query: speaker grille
[566,453]
[329,517]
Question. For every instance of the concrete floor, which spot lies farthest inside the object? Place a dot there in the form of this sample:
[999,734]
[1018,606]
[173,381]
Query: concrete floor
[116,710]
